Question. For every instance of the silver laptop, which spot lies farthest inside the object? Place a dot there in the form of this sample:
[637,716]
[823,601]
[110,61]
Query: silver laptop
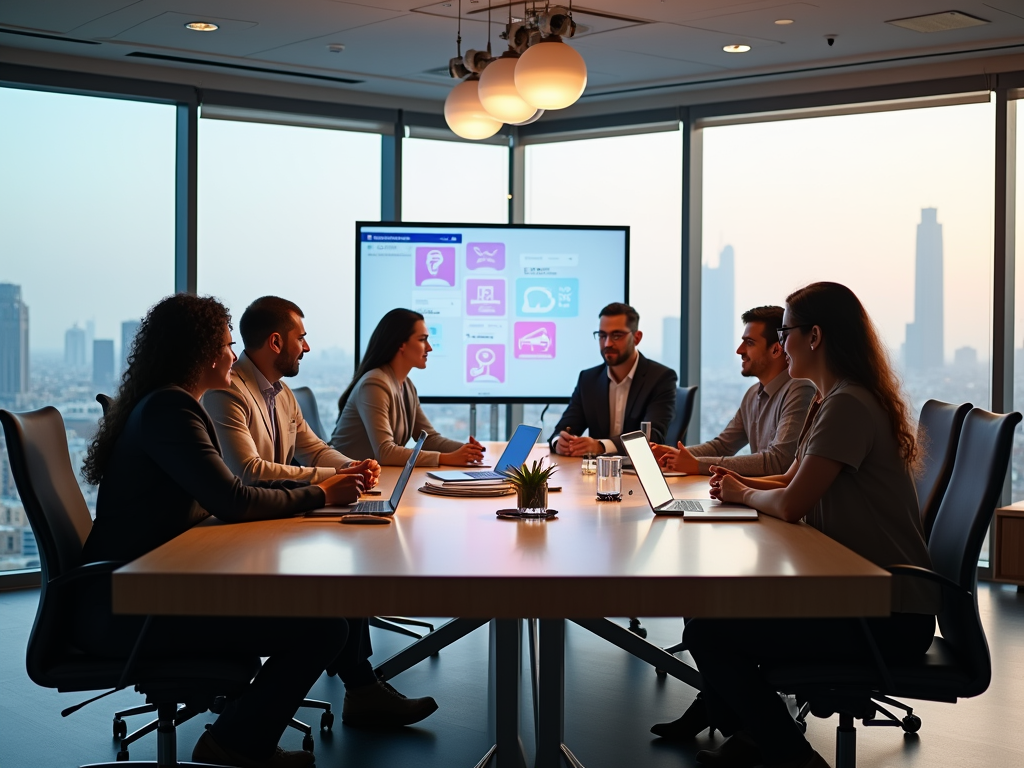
[515,453]
[388,507]
[660,495]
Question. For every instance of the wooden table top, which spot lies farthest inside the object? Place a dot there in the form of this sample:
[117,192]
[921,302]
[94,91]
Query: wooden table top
[452,557]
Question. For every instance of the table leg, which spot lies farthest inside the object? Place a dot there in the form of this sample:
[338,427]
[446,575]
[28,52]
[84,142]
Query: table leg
[551,748]
[505,661]
[645,651]
[426,646]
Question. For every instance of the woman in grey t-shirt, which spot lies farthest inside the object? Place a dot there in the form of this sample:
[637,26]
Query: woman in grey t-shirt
[852,479]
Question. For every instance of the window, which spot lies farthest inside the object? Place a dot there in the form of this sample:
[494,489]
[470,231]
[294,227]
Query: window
[896,205]
[277,212]
[453,181]
[1017,462]
[86,213]
[623,180]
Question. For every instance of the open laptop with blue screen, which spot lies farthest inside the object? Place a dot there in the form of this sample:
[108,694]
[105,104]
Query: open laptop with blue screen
[518,448]
[660,495]
[388,507]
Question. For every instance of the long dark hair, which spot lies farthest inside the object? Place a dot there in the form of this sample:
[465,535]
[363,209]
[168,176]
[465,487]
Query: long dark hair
[393,330]
[855,352]
[176,340]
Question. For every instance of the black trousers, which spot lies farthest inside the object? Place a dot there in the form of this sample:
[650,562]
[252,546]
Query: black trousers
[728,653]
[298,649]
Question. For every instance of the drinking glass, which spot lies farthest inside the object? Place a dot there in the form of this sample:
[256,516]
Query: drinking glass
[609,477]
[589,464]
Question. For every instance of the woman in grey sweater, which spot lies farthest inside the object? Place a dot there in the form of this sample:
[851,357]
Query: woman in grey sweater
[380,411]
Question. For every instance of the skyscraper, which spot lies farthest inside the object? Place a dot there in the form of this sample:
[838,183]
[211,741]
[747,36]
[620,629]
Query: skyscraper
[103,365]
[718,313]
[128,330]
[13,341]
[74,346]
[670,328]
[924,349]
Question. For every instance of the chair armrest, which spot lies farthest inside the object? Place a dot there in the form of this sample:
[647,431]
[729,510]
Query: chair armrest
[87,571]
[925,573]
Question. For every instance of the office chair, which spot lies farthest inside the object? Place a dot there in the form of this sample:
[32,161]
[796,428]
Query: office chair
[938,433]
[675,433]
[57,512]
[120,728]
[958,664]
[311,413]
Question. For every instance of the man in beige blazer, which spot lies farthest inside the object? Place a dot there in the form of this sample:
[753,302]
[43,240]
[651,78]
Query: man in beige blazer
[261,432]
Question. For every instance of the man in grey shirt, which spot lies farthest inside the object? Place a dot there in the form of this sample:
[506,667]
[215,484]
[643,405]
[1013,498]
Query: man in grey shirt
[770,416]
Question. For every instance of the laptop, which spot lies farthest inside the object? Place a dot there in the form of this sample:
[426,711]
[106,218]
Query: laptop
[518,448]
[388,507]
[660,495]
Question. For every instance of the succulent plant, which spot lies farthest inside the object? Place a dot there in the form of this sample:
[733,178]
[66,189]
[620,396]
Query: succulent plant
[529,482]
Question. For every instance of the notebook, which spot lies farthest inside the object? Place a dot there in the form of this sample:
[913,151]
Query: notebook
[388,507]
[518,448]
[660,495]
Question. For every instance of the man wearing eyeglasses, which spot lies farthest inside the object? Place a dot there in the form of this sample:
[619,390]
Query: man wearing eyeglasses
[770,415]
[615,397]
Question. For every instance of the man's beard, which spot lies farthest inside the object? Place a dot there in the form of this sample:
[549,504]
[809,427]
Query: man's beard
[619,359]
[287,367]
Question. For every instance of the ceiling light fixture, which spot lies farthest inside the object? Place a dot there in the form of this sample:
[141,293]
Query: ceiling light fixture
[202,26]
[783,22]
[739,48]
[539,71]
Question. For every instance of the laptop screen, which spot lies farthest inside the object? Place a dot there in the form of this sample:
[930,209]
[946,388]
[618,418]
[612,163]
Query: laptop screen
[403,479]
[518,448]
[647,469]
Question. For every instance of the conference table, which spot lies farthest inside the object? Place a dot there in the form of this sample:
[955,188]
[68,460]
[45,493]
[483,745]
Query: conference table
[445,556]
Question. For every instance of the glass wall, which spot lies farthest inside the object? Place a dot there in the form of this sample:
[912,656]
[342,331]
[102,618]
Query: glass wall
[622,180]
[277,212]
[86,205]
[1017,463]
[896,205]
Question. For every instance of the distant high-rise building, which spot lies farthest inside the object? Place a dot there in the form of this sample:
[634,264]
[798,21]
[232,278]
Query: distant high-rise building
[966,358]
[923,349]
[90,336]
[718,313]
[103,365]
[74,346]
[128,330]
[13,341]
[670,342]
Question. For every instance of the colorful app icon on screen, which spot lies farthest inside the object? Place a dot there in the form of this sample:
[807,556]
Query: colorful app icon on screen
[435,335]
[435,265]
[485,363]
[534,341]
[485,255]
[485,297]
[547,297]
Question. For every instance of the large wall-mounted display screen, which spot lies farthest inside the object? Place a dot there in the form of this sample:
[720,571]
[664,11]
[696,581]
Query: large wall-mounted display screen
[511,310]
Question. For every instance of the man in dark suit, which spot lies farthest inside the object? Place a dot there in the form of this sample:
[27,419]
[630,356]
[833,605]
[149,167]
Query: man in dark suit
[616,397]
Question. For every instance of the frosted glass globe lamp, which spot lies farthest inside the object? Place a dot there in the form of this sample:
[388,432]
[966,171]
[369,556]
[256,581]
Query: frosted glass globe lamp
[551,74]
[498,92]
[465,114]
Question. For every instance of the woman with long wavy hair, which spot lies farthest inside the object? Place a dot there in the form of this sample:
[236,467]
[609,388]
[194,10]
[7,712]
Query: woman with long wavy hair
[852,479]
[158,465]
[380,411]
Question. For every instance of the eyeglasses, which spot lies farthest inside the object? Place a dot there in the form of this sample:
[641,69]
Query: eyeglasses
[615,336]
[785,330]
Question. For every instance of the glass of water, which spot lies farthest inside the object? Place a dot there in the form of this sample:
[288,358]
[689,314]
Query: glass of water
[609,477]
[589,464]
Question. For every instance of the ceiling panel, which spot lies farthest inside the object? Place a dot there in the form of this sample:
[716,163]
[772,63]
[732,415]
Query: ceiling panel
[56,15]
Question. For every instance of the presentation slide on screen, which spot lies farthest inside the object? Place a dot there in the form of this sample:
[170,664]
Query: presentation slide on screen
[510,310]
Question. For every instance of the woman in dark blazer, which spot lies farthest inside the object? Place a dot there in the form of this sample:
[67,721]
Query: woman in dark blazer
[158,465]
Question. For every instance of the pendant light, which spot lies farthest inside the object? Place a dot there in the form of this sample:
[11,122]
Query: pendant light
[465,114]
[498,92]
[551,74]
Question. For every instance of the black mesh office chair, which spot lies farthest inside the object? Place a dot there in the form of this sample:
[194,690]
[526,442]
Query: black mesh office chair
[958,664]
[60,520]
[938,432]
[311,413]
[674,433]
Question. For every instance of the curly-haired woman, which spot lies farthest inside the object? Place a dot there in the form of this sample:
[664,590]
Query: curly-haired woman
[158,465]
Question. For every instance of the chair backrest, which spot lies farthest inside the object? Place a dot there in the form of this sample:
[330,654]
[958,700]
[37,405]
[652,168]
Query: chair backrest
[307,404]
[963,519]
[938,432]
[105,402]
[676,431]
[38,450]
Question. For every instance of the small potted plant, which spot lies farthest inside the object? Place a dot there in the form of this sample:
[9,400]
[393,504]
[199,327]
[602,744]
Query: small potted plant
[531,484]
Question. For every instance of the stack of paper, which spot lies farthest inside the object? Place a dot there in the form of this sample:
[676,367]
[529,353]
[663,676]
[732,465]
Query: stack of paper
[466,488]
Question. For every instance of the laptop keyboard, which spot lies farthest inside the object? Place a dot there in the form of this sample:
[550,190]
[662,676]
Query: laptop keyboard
[372,508]
[486,474]
[683,505]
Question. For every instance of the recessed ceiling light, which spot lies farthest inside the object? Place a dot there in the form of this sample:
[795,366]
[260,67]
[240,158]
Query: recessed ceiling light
[781,22]
[736,48]
[201,26]
[336,47]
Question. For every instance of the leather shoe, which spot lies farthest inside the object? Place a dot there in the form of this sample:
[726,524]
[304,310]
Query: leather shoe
[693,721]
[378,705]
[738,751]
[209,751]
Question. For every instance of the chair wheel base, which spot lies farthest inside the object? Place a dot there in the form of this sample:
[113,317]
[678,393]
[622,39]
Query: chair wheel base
[122,756]
[120,729]
[307,743]
[911,724]
[326,721]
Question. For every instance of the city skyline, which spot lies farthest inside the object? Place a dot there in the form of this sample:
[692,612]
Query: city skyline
[923,347]
[14,343]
